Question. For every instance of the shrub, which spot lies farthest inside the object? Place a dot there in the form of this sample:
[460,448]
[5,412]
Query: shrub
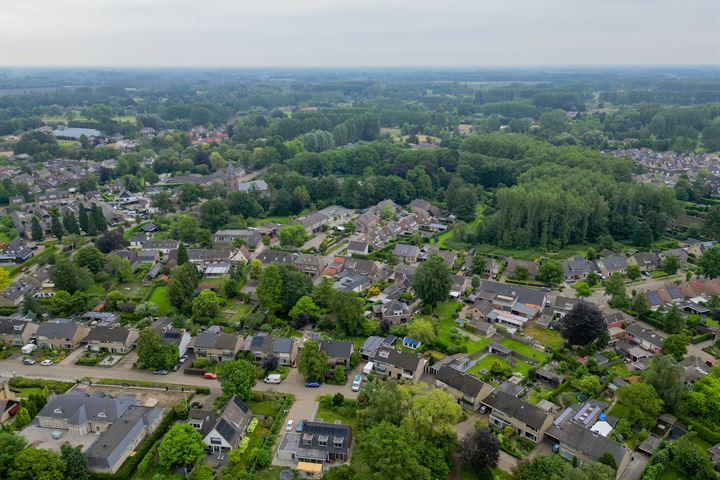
[253,425]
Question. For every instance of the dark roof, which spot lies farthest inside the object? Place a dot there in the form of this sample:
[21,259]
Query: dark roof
[225,341]
[514,407]
[651,336]
[107,334]
[523,294]
[57,329]
[336,349]
[467,384]
[586,441]
[282,345]
[12,326]
[398,358]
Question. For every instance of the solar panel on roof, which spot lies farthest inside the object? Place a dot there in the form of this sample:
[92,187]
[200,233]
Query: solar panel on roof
[225,429]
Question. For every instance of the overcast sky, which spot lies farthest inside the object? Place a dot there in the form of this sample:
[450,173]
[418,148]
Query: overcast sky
[358,32]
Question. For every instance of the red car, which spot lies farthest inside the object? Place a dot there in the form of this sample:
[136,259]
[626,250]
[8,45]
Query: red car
[210,376]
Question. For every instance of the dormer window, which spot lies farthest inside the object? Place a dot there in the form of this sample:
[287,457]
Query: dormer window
[338,442]
[307,439]
[58,411]
[102,415]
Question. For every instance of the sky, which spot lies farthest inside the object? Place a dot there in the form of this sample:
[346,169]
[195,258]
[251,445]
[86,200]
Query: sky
[358,32]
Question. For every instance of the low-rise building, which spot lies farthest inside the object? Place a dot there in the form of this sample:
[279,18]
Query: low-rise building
[339,353]
[217,347]
[398,365]
[60,335]
[112,339]
[468,390]
[229,427]
[16,331]
[527,420]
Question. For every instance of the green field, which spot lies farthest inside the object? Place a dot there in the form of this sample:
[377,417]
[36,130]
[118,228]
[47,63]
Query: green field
[532,253]
[523,349]
[447,239]
[159,297]
[546,336]
[446,328]
[488,360]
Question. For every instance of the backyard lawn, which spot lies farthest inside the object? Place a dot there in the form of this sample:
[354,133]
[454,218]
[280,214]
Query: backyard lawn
[447,329]
[549,338]
[523,349]
[330,416]
[488,360]
[159,297]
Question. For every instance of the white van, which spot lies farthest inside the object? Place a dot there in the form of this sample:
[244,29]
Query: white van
[273,378]
[29,348]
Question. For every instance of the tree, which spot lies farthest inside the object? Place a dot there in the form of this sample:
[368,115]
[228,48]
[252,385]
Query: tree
[305,305]
[76,464]
[237,378]
[673,322]
[182,254]
[642,402]
[676,346]
[592,279]
[592,471]
[111,240]
[182,285]
[609,460]
[478,265]
[83,218]
[583,324]
[97,218]
[153,354]
[5,279]
[521,273]
[162,201]
[387,451]
[70,223]
[643,235]
[387,402]
[68,277]
[421,330]
[56,227]
[589,384]
[214,214]
[256,269]
[35,229]
[348,308]
[432,412]
[461,200]
[666,377]
[292,235]
[37,464]
[270,288]
[124,272]
[182,445]
[313,363]
[146,309]
[22,418]
[640,306]
[615,286]
[709,263]
[91,258]
[551,273]
[691,457]
[323,293]
[670,265]
[545,467]
[206,305]
[582,290]
[633,272]
[201,471]
[432,280]
[479,450]
[10,446]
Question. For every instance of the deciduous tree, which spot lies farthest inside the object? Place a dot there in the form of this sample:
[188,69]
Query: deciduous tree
[237,378]
[182,445]
[432,280]
[479,450]
[313,363]
[583,324]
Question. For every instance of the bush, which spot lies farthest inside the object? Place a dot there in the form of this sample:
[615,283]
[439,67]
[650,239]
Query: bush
[55,385]
[148,459]
[253,425]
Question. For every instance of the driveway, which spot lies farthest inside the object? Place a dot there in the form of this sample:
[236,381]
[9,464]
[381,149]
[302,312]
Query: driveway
[72,358]
[636,466]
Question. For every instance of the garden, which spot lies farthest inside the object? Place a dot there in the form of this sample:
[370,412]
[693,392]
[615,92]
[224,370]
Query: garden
[334,408]
[90,359]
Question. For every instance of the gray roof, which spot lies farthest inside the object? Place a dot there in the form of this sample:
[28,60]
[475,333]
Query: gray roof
[225,341]
[233,420]
[523,294]
[110,446]
[467,384]
[516,408]
[12,326]
[586,441]
[282,345]
[649,335]
[79,407]
[405,250]
[57,329]
[370,346]
[108,334]
[397,358]
[330,430]
[336,349]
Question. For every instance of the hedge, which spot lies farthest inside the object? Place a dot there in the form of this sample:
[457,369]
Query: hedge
[709,435]
[25,382]
[35,259]
[701,338]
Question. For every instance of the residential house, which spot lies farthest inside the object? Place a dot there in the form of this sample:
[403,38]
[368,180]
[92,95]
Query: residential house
[16,331]
[314,222]
[678,253]
[60,334]
[161,246]
[351,281]
[317,445]
[310,264]
[15,293]
[217,346]
[396,312]
[612,263]
[229,427]
[406,253]
[468,390]
[647,338]
[18,251]
[357,247]
[119,424]
[527,420]
[365,267]
[251,237]
[578,268]
[396,364]
[339,353]
[581,432]
[171,335]
[516,299]
[646,261]
[262,347]
[112,339]
[513,263]
[370,346]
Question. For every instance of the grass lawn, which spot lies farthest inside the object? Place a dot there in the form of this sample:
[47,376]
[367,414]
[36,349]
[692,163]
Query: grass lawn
[488,360]
[329,416]
[256,222]
[523,349]
[27,391]
[241,309]
[447,239]
[497,474]
[619,411]
[159,297]
[68,143]
[129,289]
[658,274]
[549,338]
[672,473]
[394,132]
[532,253]
[447,328]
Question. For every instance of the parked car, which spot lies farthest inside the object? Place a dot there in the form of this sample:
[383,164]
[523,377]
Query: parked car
[29,348]
[289,425]
[29,361]
[313,384]
[210,376]
[273,378]
[176,367]
[46,363]
[160,372]
[357,381]
[56,434]
[300,424]
[196,405]
[183,358]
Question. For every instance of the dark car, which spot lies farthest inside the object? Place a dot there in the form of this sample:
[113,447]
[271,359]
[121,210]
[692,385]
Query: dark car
[312,384]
